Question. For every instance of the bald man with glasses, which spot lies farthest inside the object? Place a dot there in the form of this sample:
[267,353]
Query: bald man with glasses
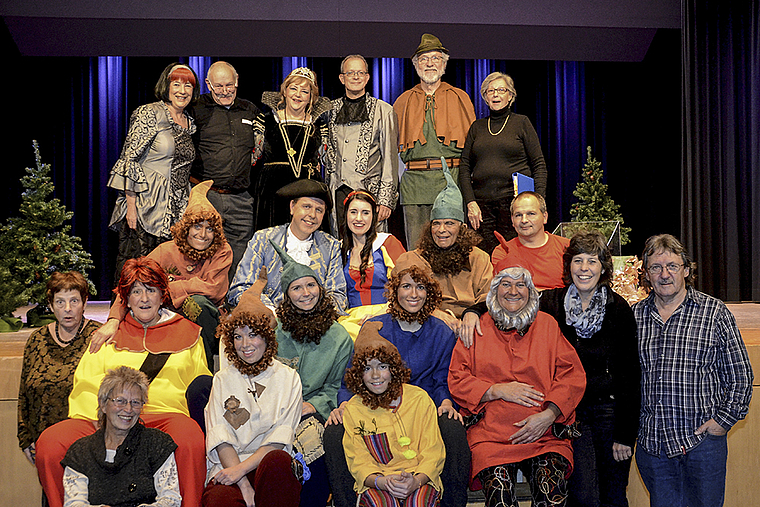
[227,140]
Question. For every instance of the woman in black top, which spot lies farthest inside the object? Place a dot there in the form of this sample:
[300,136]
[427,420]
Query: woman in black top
[600,325]
[496,147]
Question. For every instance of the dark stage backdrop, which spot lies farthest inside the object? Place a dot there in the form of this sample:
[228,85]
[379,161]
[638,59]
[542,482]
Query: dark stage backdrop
[629,113]
[721,145]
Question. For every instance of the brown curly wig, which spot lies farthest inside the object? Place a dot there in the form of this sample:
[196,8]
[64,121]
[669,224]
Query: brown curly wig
[432,299]
[400,375]
[452,260]
[308,327]
[182,227]
[259,324]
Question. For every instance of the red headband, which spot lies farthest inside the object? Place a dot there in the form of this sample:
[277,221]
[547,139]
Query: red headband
[362,192]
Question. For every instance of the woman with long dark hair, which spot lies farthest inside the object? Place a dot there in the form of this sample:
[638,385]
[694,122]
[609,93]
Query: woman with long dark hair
[368,256]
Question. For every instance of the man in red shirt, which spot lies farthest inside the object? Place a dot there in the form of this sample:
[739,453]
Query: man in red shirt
[533,248]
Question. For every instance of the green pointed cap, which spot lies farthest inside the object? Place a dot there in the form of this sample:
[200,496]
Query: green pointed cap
[449,202]
[292,270]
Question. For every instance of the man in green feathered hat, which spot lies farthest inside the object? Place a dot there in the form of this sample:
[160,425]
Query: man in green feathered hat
[434,118]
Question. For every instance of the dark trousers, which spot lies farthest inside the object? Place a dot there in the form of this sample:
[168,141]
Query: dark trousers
[133,243]
[456,469]
[316,490]
[496,217]
[197,395]
[237,218]
[202,311]
[597,480]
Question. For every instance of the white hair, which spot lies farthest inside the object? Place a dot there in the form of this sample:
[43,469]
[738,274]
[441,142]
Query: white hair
[505,319]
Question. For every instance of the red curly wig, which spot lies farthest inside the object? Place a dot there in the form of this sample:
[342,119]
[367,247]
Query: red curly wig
[146,271]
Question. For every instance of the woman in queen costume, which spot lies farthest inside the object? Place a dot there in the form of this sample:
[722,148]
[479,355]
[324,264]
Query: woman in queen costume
[295,138]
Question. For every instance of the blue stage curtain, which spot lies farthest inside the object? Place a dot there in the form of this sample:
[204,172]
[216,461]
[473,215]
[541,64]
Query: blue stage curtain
[83,119]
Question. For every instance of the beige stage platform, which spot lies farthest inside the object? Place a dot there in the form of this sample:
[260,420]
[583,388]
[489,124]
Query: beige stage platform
[19,486]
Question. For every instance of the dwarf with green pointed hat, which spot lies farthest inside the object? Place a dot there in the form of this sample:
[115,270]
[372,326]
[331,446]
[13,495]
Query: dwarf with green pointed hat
[197,263]
[252,413]
[307,311]
[392,441]
[311,340]
[448,248]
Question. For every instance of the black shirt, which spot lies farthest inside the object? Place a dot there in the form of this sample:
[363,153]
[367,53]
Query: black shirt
[224,142]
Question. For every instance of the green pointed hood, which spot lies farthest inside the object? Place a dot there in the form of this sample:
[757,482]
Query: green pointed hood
[449,202]
[292,270]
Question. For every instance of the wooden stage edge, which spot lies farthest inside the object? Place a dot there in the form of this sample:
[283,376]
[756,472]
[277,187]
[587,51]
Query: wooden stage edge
[20,486]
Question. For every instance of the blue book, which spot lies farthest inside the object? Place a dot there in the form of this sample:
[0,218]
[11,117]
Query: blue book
[522,183]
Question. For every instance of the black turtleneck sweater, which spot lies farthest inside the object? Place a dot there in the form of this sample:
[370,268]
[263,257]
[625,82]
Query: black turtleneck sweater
[488,161]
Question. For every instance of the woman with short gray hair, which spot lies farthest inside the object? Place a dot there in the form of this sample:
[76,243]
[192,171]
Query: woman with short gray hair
[123,463]
[496,147]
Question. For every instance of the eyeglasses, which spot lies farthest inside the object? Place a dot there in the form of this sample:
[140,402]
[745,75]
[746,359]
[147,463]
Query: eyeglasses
[122,403]
[222,88]
[494,91]
[432,59]
[672,268]
[355,73]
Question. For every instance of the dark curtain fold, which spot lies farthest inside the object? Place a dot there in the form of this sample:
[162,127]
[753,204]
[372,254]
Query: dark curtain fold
[720,218]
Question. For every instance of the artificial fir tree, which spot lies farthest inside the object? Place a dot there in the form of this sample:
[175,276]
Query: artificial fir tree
[594,204]
[37,243]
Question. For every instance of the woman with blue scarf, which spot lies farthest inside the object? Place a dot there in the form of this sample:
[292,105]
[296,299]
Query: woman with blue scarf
[600,325]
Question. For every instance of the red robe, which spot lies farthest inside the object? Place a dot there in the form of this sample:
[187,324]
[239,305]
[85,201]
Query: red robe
[542,358]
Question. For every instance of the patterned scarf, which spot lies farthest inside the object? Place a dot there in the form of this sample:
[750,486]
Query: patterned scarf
[586,322]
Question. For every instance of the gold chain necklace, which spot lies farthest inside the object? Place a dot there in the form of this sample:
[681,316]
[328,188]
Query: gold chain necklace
[296,167]
[502,127]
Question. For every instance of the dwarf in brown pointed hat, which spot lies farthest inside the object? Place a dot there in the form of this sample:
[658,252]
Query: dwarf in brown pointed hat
[252,413]
[392,443]
[197,264]
[370,345]
[247,333]
[199,233]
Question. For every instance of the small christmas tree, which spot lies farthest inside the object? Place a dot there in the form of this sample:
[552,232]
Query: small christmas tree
[594,204]
[37,243]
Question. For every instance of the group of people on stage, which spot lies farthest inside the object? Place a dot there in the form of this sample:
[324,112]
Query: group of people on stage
[251,358]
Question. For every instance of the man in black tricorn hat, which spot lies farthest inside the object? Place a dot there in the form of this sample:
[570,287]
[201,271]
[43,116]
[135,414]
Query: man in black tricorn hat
[309,201]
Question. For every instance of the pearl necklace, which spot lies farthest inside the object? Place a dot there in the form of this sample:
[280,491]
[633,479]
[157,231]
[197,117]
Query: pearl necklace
[502,127]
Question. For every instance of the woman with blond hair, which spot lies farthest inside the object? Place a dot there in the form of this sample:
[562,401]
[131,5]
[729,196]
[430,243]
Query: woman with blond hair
[295,136]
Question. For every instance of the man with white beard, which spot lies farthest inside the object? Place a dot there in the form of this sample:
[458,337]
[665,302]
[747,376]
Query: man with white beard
[434,118]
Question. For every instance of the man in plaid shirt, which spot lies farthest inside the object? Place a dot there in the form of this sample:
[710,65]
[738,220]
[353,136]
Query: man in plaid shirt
[696,382]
